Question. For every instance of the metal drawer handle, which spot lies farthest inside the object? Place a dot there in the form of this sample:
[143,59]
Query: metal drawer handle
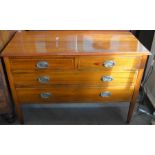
[109,63]
[107,78]
[45,95]
[43,79]
[42,64]
[105,94]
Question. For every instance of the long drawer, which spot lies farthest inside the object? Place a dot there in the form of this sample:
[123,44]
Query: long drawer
[113,63]
[42,64]
[74,94]
[100,78]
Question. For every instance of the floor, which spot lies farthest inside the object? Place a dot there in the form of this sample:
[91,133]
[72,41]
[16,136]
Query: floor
[83,114]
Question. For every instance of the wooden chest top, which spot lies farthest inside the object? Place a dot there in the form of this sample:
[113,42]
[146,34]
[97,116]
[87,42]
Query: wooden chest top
[48,43]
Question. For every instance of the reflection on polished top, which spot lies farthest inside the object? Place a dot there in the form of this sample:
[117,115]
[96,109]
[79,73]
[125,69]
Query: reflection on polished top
[37,43]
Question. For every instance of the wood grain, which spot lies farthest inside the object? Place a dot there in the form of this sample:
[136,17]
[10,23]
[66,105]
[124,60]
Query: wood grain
[46,43]
[73,77]
[53,63]
[75,67]
[73,94]
[136,89]
[122,63]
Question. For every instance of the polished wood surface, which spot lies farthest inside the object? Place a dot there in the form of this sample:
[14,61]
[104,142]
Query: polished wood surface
[45,43]
[74,66]
[122,62]
[53,63]
[73,94]
[136,89]
[31,79]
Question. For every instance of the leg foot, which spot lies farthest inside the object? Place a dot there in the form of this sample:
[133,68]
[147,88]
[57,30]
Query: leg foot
[19,114]
[130,111]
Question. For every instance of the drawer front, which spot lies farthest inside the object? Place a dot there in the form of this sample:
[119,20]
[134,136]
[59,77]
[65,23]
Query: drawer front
[109,63]
[99,78]
[74,94]
[42,64]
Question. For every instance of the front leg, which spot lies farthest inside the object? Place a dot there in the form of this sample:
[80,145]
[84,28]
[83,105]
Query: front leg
[136,88]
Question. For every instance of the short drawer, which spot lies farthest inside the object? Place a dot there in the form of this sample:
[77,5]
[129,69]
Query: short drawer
[113,63]
[74,94]
[42,64]
[48,78]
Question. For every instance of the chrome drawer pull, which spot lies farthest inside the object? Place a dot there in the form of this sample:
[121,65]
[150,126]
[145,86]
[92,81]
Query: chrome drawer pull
[42,64]
[109,63]
[45,95]
[43,79]
[107,78]
[105,94]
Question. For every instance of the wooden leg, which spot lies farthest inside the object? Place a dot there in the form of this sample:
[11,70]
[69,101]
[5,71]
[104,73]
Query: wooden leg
[13,90]
[19,114]
[136,89]
[130,111]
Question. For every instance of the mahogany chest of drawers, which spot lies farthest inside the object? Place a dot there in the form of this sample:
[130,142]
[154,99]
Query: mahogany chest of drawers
[74,67]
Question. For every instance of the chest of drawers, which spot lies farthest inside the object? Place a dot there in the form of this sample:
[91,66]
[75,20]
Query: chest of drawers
[74,67]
